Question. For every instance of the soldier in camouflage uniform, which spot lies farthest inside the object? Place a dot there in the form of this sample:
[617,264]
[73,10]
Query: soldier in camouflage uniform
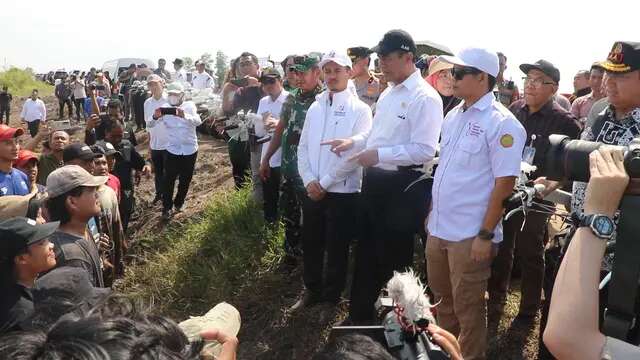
[292,118]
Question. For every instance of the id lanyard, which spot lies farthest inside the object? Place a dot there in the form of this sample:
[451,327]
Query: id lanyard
[529,151]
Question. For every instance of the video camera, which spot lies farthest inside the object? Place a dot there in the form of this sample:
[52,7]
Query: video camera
[568,160]
[407,314]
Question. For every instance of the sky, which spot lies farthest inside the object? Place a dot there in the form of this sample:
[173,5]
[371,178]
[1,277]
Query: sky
[78,34]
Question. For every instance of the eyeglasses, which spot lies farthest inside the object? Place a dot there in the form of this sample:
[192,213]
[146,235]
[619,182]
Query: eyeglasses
[246,63]
[536,82]
[268,80]
[459,73]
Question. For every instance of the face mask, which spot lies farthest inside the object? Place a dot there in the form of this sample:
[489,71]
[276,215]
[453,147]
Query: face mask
[174,100]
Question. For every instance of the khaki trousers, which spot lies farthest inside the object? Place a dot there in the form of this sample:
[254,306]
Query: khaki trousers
[459,283]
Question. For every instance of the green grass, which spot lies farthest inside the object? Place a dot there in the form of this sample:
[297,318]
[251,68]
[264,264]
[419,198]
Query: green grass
[207,260]
[21,83]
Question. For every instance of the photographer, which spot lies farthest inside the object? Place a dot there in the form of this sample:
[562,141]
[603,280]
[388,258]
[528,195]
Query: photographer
[79,94]
[617,124]
[572,331]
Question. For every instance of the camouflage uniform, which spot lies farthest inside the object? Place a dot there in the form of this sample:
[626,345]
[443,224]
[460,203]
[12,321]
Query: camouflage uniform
[292,190]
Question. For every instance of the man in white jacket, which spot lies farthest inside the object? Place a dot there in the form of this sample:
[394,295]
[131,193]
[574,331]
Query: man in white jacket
[332,182]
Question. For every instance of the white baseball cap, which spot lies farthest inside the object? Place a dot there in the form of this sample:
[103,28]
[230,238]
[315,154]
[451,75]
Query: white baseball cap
[337,57]
[481,59]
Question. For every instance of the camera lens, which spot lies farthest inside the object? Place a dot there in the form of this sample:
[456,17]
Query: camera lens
[568,159]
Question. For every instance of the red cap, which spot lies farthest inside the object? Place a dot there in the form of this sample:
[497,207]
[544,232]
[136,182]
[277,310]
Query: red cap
[7,132]
[24,156]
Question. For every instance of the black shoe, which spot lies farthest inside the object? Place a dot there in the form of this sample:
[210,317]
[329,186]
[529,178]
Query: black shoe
[156,199]
[166,214]
[307,300]
[177,209]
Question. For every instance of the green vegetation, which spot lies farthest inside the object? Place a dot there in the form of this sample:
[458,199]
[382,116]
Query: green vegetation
[22,82]
[190,267]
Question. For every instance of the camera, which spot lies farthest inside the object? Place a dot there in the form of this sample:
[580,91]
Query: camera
[568,159]
[407,313]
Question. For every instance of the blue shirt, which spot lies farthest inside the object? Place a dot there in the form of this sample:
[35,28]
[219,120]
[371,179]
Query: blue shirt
[14,183]
[87,104]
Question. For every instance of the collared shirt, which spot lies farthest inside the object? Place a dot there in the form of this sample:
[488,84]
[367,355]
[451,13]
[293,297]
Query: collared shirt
[34,110]
[14,183]
[181,76]
[406,126]
[202,81]
[46,165]
[274,107]
[78,90]
[344,116]
[582,105]
[478,146]
[158,137]
[16,306]
[606,129]
[183,139]
[550,119]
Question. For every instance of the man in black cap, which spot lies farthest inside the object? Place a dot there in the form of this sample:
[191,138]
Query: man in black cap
[126,79]
[25,251]
[404,136]
[367,85]
[618,124]
[180,74]
[79,154]
[541,116]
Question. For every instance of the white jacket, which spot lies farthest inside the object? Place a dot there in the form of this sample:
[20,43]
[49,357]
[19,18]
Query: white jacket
[344,117]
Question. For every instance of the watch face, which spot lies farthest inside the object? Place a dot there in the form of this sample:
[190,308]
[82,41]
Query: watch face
[603,225]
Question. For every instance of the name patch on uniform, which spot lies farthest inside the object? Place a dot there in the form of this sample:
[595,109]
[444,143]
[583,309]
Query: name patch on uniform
[475,130]
[339,113]
[506,141]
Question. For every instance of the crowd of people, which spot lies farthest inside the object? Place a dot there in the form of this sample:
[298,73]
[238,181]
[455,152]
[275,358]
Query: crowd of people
[337,154]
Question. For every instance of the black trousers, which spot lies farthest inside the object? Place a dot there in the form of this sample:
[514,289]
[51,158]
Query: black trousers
[79,103]
[158,159]
[240,158]
[390,218]
[61,104]
[4,110]
[271,191]
[33,127]
[177,167]
[328,227]
[127,204]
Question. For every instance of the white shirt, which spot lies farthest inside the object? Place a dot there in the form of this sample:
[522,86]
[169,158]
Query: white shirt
[78,89]
[158,137]
[266,104]
[33,110]
[182,137]
[181,76]
[202,80]
[478,145]
[406,126]
[344,117]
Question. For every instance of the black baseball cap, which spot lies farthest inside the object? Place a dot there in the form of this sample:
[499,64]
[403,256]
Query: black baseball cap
[358,52]
[545,66]
[16,234]
[623,58]
[70,283]
[395,40]
[78,151]
[104,148]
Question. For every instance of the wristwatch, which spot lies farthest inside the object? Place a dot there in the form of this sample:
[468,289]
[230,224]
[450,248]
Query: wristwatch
[601,226]
[486,235]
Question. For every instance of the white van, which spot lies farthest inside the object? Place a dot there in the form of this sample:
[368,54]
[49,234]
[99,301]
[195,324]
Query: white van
[115,67]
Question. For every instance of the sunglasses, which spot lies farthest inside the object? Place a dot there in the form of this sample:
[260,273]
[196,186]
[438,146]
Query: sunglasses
[460,72]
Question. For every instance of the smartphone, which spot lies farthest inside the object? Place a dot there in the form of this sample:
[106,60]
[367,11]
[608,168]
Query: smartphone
[169,111]
[240,82]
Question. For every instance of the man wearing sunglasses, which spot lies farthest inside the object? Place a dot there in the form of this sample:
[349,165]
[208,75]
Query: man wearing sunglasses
[403,136]
[541,116]
[480,154]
